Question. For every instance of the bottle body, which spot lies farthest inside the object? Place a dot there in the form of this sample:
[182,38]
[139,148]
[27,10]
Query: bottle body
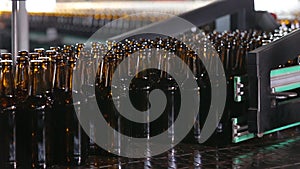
[41,131]
[8,155]
[8,136]
[71,139]
[36,127]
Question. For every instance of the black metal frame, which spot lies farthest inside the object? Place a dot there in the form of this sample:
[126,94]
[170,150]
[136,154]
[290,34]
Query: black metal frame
[263,114]
[242,12]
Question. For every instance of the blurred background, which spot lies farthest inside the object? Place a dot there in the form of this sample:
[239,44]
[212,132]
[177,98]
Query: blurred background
[68,21]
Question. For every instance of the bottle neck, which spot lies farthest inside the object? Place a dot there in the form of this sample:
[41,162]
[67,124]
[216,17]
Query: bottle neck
[22,76]
[37,88]
[52,72]
[110,67]
[47,76]
[60,76]
[7,81]
[69,76]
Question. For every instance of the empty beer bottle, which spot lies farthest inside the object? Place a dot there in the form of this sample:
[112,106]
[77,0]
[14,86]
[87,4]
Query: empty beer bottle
[7,117]
[23,117]
[170,87]
[101,92]
[88,69]
[39,110]
[59,107]
[75,138]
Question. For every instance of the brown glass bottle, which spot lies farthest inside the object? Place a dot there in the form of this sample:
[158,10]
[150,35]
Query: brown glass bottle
[74,136]
[59,108]
[23,118]
[107,108]
[41,127]
[7,117]
[168,84]
[101,91]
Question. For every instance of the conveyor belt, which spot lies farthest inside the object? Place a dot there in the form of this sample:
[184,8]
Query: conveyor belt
[280,150]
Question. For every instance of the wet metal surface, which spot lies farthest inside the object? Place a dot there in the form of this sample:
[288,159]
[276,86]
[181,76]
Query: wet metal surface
[279,150]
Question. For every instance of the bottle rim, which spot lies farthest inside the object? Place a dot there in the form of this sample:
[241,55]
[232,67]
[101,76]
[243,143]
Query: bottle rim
[6,61]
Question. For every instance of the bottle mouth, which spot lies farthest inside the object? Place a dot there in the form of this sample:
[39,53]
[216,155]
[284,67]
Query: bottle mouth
[34,56]
[44,59]
[6,62]
[36,62]
[22,58]
[38,50]
[6,56]
[55,49]
[50,52]
[23,53]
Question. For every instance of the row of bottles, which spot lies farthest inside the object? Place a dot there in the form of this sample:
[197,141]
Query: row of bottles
[39,125]
[289,24]
[231,47]
[87,23]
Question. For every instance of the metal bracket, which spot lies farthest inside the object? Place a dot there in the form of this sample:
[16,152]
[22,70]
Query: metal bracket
[240,83]
[240,132]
